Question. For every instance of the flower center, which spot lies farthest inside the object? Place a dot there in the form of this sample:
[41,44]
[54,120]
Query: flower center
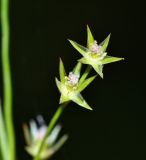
[95,48]
[72,79]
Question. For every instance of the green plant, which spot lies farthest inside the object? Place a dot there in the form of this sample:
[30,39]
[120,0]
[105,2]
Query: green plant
[41,140]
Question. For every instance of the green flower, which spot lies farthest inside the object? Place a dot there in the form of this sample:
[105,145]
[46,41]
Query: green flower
[95,54]
[34,135]
[70,86]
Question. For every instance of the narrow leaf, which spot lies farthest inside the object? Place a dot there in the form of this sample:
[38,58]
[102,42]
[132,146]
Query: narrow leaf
[105,43]
[62,71]
[90,38]
[109,59]
[86,83]
[81,49]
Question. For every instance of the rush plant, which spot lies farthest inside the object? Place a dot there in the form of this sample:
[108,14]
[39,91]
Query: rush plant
[42,139]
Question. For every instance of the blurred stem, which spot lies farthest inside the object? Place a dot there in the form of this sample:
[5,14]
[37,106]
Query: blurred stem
[50,127]
[7,78]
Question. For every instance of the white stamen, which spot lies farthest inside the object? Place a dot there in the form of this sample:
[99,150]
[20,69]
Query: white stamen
[72,79]
[95,48]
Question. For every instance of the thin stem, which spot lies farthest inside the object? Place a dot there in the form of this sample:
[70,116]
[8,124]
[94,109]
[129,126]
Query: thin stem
[7,77]
[50,127]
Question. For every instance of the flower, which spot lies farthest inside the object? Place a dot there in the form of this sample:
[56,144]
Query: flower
[35,134]
[70,86]
[95,54]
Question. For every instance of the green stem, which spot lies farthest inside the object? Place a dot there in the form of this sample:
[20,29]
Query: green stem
[7,78]
[50,127]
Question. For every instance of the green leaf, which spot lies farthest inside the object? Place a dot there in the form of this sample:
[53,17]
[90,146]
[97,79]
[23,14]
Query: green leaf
[81,49]
[90,38]
[85,74]
[98,69]
[86,83]
[109,59]
[77,68]
[62,71]
[80,101]
[3,139]
[105,43]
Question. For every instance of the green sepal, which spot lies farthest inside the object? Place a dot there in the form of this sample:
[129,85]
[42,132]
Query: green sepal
[105,43]
[85,74]
[62,71]
[83,60]
[86,83]
[109,59]
[63,99]
[81,49]
[77,68]
[98,69]
[80,101]
[58,84]
[90,38]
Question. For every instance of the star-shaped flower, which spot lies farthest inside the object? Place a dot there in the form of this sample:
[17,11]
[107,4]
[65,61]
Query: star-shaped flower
[70,86]
[34,135]
[94,54]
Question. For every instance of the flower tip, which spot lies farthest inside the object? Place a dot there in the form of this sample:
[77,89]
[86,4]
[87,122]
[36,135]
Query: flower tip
[90,109]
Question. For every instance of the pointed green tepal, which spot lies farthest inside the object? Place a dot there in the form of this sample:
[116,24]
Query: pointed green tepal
[63,99]
[98,69]
[81,49]
[109,59]
[77,68]
[105,43]
[83,85]
[62,71]
[80,101]
[90,38]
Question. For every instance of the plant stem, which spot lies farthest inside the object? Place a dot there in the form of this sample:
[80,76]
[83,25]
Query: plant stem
[7,78]
[50,127]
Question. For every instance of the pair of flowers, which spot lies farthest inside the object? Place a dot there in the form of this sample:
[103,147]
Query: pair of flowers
[95,56]
[70,87]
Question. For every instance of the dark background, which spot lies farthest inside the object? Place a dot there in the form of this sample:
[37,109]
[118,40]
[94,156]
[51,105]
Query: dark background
[116,129]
